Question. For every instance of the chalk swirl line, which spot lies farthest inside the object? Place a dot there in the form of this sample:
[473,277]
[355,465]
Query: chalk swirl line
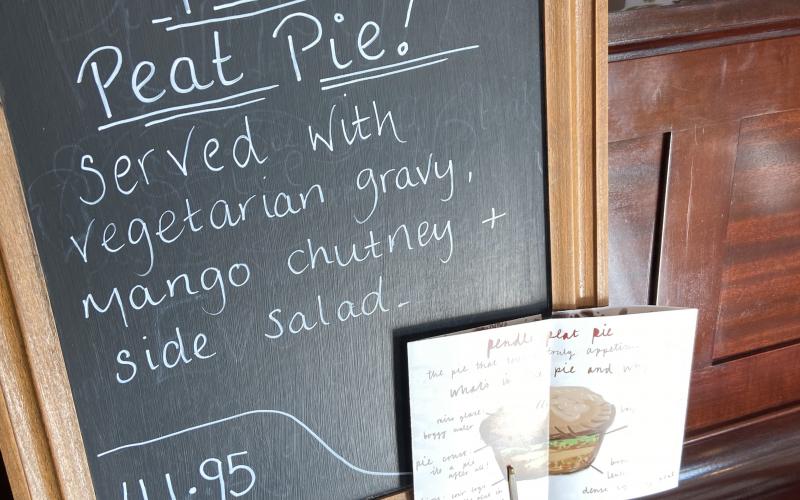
[245,414]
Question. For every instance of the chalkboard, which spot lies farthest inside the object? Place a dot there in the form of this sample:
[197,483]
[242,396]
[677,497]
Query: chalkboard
[241,207]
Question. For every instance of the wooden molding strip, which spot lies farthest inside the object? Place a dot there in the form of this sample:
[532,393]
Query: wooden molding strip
[26,453]
[576,40]
[601,149]
[699,24]
[34,378]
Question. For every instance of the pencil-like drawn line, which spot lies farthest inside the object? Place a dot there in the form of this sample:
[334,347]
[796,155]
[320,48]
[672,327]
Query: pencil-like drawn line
[617,429]
[245,414]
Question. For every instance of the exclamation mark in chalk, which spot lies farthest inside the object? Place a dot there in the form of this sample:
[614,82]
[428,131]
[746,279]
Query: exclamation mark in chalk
[402,49]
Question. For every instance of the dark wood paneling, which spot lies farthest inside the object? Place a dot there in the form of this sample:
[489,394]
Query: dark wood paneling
[760,301]
[702,87]
[730,243]
[633,180]
[732,391]
[699,24]
[695,222]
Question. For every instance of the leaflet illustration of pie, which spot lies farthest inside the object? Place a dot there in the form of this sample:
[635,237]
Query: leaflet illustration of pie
[517,441]
[579,419]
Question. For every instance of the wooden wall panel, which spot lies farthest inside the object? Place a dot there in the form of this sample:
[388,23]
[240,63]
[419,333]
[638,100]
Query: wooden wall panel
[634,168]
[699,24]
[730,392]
[698,88]
[730,241]
[722,79]
[760,301]
[695,222]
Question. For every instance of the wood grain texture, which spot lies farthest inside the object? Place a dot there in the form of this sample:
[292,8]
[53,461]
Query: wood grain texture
[702,87]
[600,93]
[729,241]
[695,222]
[760,302]
[12,477]
[731,391]
[26,453]
[575,45]
[699,24]
[633,182]
[39,376]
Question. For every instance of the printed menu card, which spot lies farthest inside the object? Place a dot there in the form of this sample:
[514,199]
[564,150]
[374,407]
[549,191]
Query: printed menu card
[479,403]
[619,388]
[614,410]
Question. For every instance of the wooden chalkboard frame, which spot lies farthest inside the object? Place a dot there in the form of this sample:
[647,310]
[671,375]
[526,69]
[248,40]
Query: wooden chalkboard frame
[39,434]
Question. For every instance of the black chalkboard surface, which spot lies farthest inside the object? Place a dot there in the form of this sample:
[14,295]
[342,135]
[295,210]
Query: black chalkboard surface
[240,206]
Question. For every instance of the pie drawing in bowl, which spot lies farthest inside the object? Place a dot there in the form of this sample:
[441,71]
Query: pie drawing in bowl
[579,418]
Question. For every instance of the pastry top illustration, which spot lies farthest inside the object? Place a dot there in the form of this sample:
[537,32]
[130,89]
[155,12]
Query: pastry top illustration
[579,419]
[518,441]
[576,411]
